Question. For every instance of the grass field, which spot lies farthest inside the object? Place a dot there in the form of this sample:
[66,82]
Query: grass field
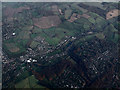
[96,4]
[53,35]
[30,82]
[37,30]
[100,35]
[92,20]
[12,47]
[24,35]
[18,44]
[68,13]
[76,7]
[34,44]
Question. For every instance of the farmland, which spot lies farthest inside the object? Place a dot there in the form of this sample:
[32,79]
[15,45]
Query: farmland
[60,45]
[53,30]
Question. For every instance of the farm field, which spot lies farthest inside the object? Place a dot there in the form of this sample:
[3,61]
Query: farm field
[53,31]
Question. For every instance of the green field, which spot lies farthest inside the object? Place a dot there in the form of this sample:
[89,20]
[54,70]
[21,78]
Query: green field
[54,35]
[10,45]
[68,13]
[100,35]
[30,82]
[34,44]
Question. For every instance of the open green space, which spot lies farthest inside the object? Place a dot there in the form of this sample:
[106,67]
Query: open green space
[30,82]
[13,48]
[53,35]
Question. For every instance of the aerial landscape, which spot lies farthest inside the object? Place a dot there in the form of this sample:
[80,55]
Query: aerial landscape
[60,45]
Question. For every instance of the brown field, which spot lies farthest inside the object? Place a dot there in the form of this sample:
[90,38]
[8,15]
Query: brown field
[54,8]
[112,13]
[12,48]
[47,22]
[73,17]
[85,16]
[9,11]
[77,16]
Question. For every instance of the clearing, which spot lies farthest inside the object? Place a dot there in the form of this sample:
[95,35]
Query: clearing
[112,13]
